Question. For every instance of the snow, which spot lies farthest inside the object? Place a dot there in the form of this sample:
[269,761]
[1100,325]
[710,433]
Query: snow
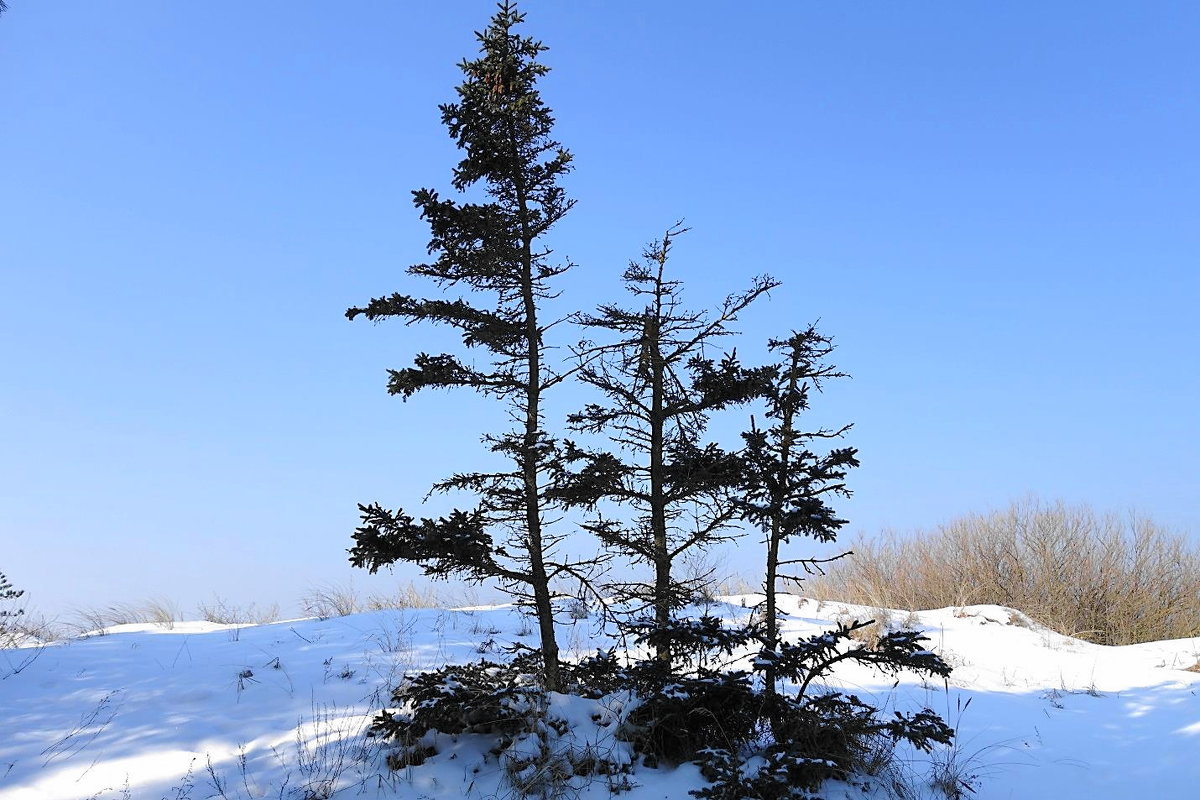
[204,710]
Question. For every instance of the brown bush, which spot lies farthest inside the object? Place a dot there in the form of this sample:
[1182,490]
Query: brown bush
[1107,578]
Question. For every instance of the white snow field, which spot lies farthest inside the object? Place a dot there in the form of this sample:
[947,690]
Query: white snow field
[279,711]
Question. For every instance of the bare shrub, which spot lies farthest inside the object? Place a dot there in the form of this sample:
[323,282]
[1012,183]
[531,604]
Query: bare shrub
[1107,578]
[223,612]
[332,600]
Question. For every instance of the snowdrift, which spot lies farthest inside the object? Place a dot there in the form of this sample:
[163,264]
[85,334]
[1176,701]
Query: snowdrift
[203,710]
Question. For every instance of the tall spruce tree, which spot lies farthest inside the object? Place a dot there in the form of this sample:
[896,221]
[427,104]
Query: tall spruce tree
[492,252]
[788,484]
[659,386]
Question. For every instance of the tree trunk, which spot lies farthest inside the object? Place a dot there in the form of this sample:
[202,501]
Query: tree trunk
[530,460]
[658,503]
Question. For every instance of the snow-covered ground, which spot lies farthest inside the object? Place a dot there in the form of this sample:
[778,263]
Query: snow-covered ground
[279,711]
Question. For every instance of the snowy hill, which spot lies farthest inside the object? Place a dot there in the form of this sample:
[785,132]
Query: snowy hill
[204,710]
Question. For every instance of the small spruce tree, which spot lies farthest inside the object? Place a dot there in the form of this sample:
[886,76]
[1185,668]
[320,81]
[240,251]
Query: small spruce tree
[659,387]
[788,484]
[492,251]
[7,592]
[8,596]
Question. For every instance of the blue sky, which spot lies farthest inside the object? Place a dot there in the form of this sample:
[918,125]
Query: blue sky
[992,208]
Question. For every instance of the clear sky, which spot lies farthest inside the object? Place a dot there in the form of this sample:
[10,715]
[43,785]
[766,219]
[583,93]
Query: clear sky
[993,208]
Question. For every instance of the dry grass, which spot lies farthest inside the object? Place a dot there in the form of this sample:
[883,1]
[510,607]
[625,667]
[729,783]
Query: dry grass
[1106,578]
[223,612]
[28,629]
[341,600]
[882,623]
[157,611]
[407,595]
[331,600]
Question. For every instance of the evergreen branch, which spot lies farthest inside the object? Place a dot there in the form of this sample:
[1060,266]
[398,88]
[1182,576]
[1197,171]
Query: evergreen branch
[443,372]
[457,544]
[495,331]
